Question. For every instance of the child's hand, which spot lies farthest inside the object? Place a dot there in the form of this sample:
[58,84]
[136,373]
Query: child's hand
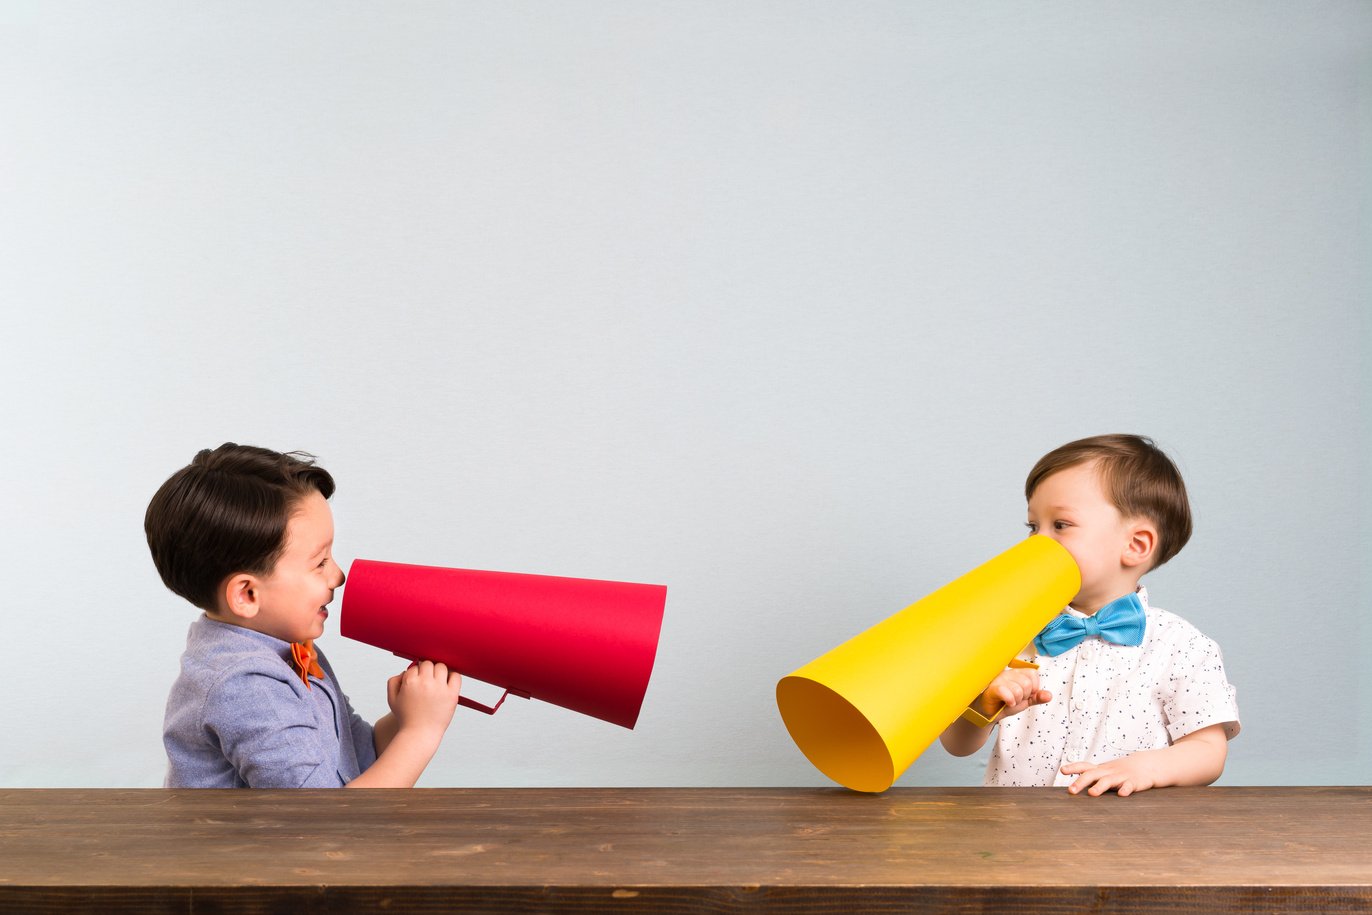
[1018,688]
[1126,775]
[422,701]
[424,696]
[1195,759]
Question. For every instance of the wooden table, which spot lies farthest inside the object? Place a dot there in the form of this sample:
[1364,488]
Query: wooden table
[687,850]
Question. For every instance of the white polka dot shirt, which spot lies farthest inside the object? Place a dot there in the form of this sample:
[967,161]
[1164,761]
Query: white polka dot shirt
[1112,700]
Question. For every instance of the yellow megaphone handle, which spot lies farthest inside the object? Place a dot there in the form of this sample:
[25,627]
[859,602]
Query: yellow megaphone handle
[984,711]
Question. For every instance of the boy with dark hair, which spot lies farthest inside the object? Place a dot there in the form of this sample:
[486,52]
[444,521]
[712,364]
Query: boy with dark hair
[1126,696]
[246,535]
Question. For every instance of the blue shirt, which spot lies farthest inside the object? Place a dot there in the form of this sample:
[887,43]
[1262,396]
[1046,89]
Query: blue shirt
[239,716]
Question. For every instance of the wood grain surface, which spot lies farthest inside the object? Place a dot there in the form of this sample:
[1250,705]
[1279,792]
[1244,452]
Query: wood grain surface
[686,850]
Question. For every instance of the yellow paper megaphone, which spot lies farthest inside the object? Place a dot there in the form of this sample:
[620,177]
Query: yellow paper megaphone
[864,711]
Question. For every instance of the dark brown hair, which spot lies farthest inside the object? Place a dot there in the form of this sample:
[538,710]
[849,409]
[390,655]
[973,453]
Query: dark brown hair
[227,512]
[1139,480]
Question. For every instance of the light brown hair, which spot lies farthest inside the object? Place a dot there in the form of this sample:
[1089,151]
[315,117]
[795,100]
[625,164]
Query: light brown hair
[226,512]
[1140,481]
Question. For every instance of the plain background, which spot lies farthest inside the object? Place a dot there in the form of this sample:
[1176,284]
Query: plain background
[774,303]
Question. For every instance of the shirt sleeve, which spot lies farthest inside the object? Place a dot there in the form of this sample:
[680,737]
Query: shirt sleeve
[1198,693]
[364,739]
[269,733]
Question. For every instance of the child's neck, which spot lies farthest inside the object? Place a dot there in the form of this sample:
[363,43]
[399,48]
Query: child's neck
[1089,604]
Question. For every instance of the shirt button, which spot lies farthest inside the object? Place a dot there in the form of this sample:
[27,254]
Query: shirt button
[1086,654]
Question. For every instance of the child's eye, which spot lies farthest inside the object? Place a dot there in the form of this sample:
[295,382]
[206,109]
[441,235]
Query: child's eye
[323,562]
[1033,528]
[1060,525]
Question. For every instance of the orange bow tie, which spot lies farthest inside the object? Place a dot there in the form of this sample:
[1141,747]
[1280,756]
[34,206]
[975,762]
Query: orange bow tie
[304,657]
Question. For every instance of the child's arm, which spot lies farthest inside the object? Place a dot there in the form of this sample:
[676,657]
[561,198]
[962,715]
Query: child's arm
[384,730]
[422,701]
[1017,687]
[1196,759]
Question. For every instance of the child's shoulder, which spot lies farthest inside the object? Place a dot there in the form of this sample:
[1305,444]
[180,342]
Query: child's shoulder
[1166,626]
[219,654]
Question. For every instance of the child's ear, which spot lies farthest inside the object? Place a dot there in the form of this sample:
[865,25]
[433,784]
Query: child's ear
[1143,542]
[240,594]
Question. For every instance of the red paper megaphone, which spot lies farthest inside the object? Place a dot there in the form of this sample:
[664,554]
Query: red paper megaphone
[582,644]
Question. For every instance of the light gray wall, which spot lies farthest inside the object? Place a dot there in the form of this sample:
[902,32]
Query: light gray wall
[774,303]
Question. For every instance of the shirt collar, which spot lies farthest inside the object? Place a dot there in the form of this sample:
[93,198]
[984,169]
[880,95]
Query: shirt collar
[227,634]
[1141,591]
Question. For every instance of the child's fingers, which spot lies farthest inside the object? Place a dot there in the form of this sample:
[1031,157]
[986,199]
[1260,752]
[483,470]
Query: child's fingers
[436,671]
[1094,780]
[1084,781]
[1105,783]
[425,676]
[1025,678]
[1018,685]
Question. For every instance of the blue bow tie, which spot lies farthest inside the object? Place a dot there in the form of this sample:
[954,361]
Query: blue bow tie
[1120,621]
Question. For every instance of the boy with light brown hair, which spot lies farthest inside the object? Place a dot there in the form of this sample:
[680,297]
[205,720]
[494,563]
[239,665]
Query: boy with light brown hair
[1126,696]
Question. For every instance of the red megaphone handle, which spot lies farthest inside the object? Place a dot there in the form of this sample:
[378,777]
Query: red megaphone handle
[488,709]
